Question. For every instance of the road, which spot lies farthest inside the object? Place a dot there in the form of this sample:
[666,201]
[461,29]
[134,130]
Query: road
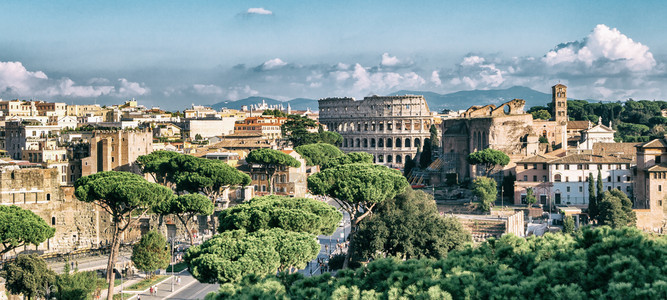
[89,263]
[328,242]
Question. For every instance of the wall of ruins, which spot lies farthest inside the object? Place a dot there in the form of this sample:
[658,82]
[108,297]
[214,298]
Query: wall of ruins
[78,225]
[117,150]
[390,128]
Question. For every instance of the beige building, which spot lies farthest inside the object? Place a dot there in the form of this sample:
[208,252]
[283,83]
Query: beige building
[117,150]
[651,185]
[391,128]
[289,181]
[206,128]
[268,126]
[18,108]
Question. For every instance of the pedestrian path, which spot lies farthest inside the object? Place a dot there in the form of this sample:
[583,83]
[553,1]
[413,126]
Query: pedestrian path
[164,289]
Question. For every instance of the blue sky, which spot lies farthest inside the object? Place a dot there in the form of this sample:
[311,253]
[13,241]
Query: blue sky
[174,53]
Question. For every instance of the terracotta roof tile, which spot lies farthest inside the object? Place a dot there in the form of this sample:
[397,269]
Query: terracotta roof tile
[577,125]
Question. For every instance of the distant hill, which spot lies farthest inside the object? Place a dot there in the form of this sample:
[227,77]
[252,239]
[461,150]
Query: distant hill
[465,99]
[296,104]
[436,102]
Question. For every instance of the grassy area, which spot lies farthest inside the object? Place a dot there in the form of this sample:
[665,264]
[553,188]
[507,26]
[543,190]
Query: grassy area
[146,283]
[125,296]
[177,267]
[105,285]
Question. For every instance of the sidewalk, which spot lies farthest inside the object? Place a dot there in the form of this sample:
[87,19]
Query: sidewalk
[164,287]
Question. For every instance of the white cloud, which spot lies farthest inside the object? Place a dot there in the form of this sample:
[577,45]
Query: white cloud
[604,43]
[472,60]
[389,61]
[127,88]
[207,89]
[435,78]
[273,64]
[383,82]
[17,81]
[259,11]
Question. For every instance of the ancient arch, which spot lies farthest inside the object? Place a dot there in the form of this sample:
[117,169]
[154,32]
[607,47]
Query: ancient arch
[398,142]
[407,143]
[372,142]
[389,143]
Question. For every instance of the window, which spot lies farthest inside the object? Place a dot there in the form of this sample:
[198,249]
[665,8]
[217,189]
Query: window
[618,178]
[581,189]
[580,179]
[48,197]
[567,189]
[609,179]
[579,167]
[534,166]
[113,159]
[557,178]
[567,167]
[557,166]
[525,166]
[53,220]
[544,166]
[657,159]
[534,177]
[525,177]
[659,188]
[567,178]
[544,178]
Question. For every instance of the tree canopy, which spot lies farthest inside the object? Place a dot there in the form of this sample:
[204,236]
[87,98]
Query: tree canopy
[231,255]
[263,236]
[292,214]
[185,208]
[485,189]
[357,188]
[318,154]
[28,275]
[615,210]
[349,158]
[600,263]
[489,159]
[151,252]
[76,285]
[298,129]
[409,226]
[193,174]
[19,227]
[120,194]
[187,173]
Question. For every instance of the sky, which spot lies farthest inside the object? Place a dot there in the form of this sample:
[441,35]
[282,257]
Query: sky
[173,54]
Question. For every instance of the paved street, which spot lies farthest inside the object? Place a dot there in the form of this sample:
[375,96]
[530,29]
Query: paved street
[90,263]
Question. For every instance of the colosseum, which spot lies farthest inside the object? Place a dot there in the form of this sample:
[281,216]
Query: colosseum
[391,128]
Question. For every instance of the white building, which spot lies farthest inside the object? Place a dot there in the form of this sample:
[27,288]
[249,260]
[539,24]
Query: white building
[596,134]
[570,175]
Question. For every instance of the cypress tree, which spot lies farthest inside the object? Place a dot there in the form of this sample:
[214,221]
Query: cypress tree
[592,198]
[600,189]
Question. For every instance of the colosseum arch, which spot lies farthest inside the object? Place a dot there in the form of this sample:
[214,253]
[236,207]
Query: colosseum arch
[389,158]
[365,143]
[389,143]
[358,143]
[380,143]
[398,143]
[398,159]
[372,142]
[407,143]
[418,142]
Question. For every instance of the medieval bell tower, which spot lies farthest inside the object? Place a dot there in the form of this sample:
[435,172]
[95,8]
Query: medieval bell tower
[559,100]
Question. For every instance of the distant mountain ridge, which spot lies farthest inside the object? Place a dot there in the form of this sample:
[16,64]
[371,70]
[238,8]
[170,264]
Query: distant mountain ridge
[465,99]
[436,102]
